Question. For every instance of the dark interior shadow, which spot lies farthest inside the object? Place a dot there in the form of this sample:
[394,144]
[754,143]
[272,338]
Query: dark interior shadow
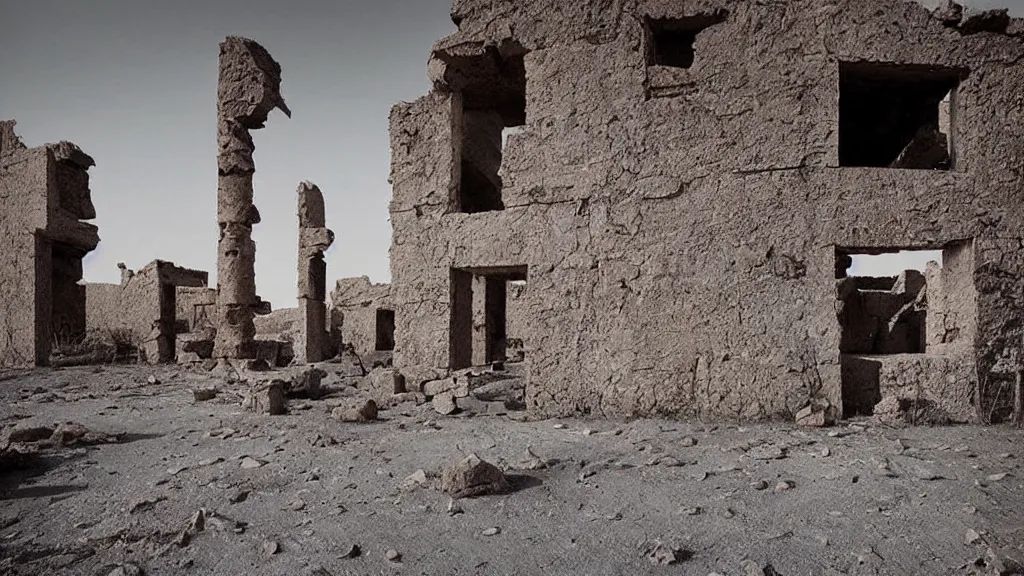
[519,482]
[130,437]
[42,491]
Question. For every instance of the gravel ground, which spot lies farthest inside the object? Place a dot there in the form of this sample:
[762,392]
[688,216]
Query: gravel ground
[306,494]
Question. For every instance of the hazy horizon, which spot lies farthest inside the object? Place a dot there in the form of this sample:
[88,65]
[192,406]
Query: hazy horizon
[134,84]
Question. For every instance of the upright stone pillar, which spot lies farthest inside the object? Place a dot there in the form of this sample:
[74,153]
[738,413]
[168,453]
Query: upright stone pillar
[314,239]
[249,88]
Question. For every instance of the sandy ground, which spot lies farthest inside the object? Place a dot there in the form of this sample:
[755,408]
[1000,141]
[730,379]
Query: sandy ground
[322,497]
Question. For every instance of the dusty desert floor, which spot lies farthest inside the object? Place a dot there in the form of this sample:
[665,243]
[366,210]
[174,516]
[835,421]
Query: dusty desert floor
[163,484]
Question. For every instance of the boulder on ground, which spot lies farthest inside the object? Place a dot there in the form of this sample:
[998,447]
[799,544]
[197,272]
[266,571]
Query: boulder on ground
[473,477]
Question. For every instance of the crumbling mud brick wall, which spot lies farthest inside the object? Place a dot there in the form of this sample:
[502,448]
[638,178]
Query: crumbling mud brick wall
[144,305]
[197,307]
[45,203]
[681,180]
[363,316]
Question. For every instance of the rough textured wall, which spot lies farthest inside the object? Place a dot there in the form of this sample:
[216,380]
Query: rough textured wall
[197,306]
[44,203]
[23,185]
[144,306]
[354,306]
[248,89]
[680,225]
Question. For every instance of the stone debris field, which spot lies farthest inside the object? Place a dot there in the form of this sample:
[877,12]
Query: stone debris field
[632,325]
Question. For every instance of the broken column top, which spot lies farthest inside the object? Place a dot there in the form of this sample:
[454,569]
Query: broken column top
[250,83]
[9,140]
[311,206]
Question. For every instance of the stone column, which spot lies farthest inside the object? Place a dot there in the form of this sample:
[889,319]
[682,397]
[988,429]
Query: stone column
[248,90]
[314,239]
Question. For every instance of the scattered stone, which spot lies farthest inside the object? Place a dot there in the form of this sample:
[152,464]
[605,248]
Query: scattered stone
[270,548]
[666,556]
[972,537]
[266,398]
[692,511]
[759,485]
[783,486]
[198,522]
[249,463]
[204,394]
[296,505]
[688,441]
[492,531]
[817,414]
[996,477]
[34,434]
[128,569]
[352,552]
[211,461]
[240,496]
[153,380]
[417,478]
[176,470]
[306,383]
[473,477]
[392,555]
[454,508]
[366,413]
[767,451]
[444,403]
[534,462]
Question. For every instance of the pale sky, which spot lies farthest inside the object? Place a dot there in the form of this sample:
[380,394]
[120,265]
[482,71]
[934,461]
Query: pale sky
[133,82]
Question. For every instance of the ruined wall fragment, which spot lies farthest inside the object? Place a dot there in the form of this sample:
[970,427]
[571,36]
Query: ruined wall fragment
[314,239]
[680,220]
[363,315]
[45,203]
[248,90]
[143,310]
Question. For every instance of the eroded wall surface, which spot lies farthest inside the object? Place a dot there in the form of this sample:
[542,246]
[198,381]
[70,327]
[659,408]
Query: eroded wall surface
[680,224]
[355,303]
[45,203]
[144,307]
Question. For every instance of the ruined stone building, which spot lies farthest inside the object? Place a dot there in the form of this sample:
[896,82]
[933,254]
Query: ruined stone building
[145,305]
[45,206]
[682,187]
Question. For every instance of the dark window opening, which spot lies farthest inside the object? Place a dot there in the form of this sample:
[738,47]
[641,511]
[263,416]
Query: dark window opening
[897,116]
[493,94]
[670,40]
[385,340]
[895,306]
[479,315]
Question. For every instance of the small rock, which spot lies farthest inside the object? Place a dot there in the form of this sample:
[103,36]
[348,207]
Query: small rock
[146,504]
[666,556]
[996,477]
[267,398]
[688,441]
[444,403]
[153,380]
[296,505]
[210,461]
[693,511]
[759,485]
[473,477]
[176,470]
[33,434]
[417,478]
[819,413]
[270,548]
[353,551]
[239,496]
[205,394]
[198,521]
[392,555]
[454,508]
[249,463]
[492,531]
[971,537]
[366,413]
[783,486]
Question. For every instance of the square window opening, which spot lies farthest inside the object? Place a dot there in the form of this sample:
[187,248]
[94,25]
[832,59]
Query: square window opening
[671,40]
[478,330]
[897,116]
[385,329]
[493,105]
[894,302]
